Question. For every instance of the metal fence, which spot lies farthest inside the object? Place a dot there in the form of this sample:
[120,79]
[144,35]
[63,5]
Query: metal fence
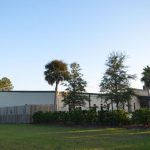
[21,114]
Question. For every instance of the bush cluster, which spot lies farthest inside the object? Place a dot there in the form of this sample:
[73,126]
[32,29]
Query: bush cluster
[83,117]
[113,118]
[141,116]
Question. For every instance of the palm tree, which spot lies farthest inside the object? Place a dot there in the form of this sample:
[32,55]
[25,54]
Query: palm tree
[146,78]
[56,71]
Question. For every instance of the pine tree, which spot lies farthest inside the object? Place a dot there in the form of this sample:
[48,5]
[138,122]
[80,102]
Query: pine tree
[115,83]
[74,96]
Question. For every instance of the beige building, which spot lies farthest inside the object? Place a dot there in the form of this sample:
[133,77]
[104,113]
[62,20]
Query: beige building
[141,100]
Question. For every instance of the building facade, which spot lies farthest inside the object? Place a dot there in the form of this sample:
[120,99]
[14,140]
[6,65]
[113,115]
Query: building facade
[20,98]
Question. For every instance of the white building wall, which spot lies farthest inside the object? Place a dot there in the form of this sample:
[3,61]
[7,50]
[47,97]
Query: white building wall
[60,105]
[135,104]
[141,92]
[18,98]
[99,102]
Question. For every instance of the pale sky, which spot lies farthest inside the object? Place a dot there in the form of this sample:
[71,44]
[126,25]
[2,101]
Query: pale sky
[34,32]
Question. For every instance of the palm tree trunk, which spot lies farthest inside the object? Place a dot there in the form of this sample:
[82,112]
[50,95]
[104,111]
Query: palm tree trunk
[55,98]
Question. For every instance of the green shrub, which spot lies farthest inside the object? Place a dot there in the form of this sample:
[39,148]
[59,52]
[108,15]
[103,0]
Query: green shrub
[141,116]
[83,117]
[90,117]
[60,117]
[46,117]
[38,117]
[113,118]
[50,117]
[64,117]
[76,117]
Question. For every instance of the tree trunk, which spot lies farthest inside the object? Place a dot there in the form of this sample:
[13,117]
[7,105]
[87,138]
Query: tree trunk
[112,108]
[69,108]
[55,98]
[123,106]
[148,91]
[148,98]
[117,105]
[129,106]
[89,101]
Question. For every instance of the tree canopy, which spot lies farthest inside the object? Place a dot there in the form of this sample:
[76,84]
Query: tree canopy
[146,78]
[5,84]
[115,83]
[56,72]
[74,96]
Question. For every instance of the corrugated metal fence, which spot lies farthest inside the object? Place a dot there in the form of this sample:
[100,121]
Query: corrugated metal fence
[21,114]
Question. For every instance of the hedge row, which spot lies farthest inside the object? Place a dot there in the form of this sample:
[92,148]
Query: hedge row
[83,117]
[141,116]
[91,117]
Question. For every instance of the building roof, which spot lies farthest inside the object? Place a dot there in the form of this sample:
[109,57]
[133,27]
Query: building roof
[138,92]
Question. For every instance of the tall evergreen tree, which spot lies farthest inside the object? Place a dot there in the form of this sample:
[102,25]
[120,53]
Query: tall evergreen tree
[56,71]
[115,83]
[74,96]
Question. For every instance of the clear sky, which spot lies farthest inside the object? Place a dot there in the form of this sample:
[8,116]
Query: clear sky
[34,32]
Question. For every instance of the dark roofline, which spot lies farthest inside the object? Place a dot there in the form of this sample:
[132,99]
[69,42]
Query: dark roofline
[136,89]
[144,97]
[23,91]
[27,91]
[59,91]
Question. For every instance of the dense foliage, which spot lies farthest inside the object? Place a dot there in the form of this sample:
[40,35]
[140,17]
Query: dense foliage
[141,116]
[56,71]
[115,82]
[92,117]
[146,78]
[83,117]
[5,84]
[74,96]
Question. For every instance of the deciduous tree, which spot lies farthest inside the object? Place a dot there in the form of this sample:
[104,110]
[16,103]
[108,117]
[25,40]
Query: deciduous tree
[5,84]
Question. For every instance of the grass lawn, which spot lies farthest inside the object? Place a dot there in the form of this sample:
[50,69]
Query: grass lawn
[40,137]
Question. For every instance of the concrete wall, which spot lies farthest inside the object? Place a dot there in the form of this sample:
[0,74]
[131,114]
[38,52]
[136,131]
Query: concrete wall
[99,102]
[141,92]
[17,98]
[135,103]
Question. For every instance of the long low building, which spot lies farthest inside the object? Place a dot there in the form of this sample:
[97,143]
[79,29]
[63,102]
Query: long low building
[19,98]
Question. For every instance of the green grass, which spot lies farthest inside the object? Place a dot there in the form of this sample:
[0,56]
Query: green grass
[40,137]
